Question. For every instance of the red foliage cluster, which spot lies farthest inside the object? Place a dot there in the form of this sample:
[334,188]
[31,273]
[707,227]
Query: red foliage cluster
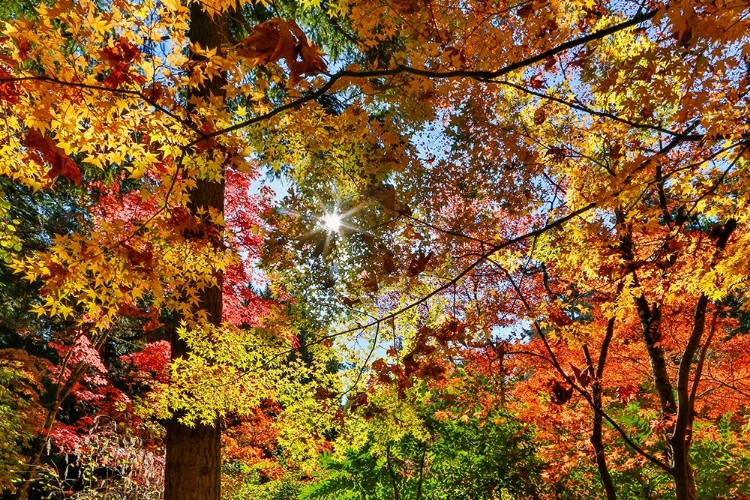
[82,352]
[8,90]
[242,306]
[43,149]
[152,360]
[120,56]
[278,39]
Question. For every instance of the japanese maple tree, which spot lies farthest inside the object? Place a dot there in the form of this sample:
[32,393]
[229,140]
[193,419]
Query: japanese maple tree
[576,170]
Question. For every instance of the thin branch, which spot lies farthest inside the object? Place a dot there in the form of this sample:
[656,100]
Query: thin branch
[403,69]
[364,365]
[603,114]
[483,258]
[582,391]
[701,363]
[468,269]
[721,178]
[133,93]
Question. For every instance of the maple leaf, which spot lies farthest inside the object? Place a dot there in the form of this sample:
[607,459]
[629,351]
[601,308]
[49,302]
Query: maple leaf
[385,194]
[559,317]
[119,74]
[139,258]
[278,39]
[153,358]
[419,263]
[51,153]
[626,393]
[9,91]
[537,82]
[582,376]
[540,116]
[358,400]
[560,393]
[389,263]
[121,51]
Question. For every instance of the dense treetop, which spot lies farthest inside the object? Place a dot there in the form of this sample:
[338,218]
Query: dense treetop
[543,213]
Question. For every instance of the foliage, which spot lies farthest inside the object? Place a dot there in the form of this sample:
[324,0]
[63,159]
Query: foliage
[721,451]
[107,463]
[21,412]
[455,449]
[542,202]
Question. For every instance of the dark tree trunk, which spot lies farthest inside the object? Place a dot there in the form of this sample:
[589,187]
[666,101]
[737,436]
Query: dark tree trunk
[685,487]
[193,468]
[650,322]
[193,465]
[596,393]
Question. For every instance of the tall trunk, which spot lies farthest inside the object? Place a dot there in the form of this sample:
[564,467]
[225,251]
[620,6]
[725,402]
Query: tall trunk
[682,408]
[598,444]
[685,487]
[193,465]
[596,394]
[650,318]
[650,324]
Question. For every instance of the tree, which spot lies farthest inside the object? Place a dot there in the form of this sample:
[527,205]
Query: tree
[577,169]
[434,439]
[193,465]
[582,189]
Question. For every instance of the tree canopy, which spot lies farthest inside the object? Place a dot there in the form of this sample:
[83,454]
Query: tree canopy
[506,259]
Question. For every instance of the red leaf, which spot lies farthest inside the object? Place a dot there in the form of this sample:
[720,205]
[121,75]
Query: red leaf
[526,10]
[559,318]
[49,151]
[122,51]
[278,39]
[583,377]
[560,394]
[419,263]
[537,82]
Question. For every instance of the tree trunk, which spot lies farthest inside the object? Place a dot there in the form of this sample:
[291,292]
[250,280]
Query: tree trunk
[598,444]
[193,468]
[596,393]
[650,323]
[650,318]
[193,464]
[684,479]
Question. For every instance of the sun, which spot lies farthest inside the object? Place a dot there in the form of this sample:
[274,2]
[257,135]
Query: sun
[332,222]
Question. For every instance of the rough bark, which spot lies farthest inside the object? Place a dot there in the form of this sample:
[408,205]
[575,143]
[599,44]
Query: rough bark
[193,464]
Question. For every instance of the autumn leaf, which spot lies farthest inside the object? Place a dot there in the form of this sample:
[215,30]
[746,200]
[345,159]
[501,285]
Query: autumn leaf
[560,394]
[47,150]
[540,116]
[278,39]
[385,194]
[419,263]
[537,82]
[582,376]
[121,51]
[389,263]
